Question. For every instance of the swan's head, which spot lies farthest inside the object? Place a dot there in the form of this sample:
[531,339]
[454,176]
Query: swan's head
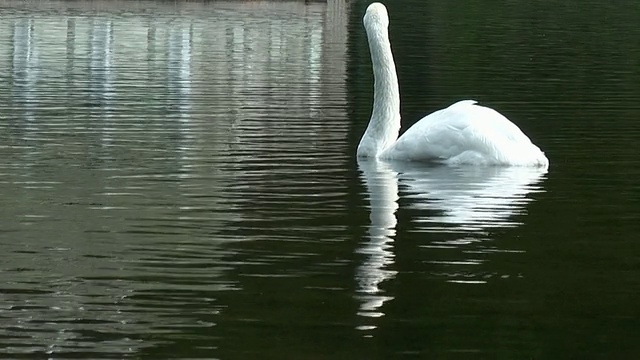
[376,15]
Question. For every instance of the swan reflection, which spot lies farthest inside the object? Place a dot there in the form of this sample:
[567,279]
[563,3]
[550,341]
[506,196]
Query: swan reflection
[457,205]
[469,199]
[382,186]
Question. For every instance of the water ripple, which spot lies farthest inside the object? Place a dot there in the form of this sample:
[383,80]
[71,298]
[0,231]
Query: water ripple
[139,149]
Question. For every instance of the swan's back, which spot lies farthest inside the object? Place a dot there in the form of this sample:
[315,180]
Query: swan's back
[467,133]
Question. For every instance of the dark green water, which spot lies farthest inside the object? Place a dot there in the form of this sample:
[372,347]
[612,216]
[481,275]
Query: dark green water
[178,180]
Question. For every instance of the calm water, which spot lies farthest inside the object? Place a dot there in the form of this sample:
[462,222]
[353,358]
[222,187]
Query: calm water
[179,180]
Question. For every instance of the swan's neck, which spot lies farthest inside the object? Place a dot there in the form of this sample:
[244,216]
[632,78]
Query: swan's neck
[384,125]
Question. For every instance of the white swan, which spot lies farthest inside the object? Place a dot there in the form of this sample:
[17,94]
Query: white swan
[463,133]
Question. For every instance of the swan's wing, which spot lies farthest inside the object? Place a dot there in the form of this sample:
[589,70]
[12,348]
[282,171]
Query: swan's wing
[463,132]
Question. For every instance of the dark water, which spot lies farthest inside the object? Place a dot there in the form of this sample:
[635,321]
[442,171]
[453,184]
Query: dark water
[178,180]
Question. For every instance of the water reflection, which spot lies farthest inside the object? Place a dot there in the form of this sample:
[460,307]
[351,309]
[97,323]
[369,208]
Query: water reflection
[70,44]
[24,66]
[469,199]
[147,147]
[179,45]
[382,188]
[199,201]
[455,206]
[100,47]
[461,206]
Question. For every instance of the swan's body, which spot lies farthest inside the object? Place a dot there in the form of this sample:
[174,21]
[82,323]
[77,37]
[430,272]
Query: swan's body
[463,133]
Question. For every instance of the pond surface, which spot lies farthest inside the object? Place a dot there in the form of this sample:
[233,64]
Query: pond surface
[179,180]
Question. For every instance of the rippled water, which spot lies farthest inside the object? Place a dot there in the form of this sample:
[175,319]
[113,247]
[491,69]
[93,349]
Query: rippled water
[178,180]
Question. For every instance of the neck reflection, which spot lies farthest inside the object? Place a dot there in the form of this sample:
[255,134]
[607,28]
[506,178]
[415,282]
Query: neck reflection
[454,210]
[382,186]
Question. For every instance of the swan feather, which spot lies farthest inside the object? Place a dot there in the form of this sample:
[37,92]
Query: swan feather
[466,133]
[463,133]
